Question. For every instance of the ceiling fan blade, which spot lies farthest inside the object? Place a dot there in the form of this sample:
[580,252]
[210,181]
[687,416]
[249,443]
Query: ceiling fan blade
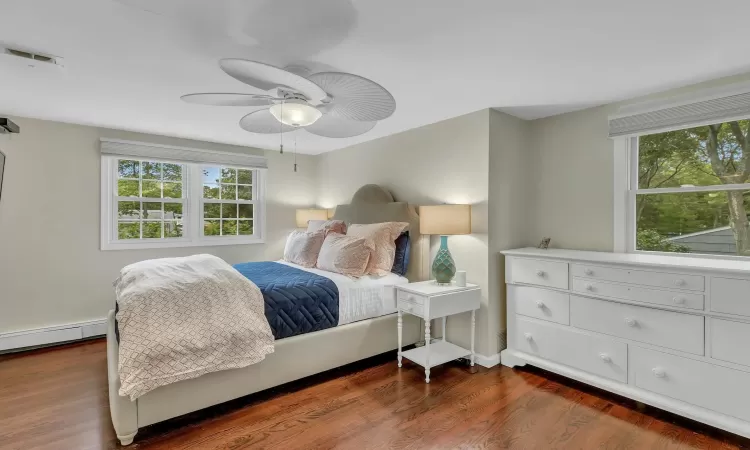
[221,99]
[335,127]
[262,121]
[355,97]
[266,77]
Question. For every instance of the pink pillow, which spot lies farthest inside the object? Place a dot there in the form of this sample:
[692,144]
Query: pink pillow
[344,254]
[302,248]
[382,237]
[335,226]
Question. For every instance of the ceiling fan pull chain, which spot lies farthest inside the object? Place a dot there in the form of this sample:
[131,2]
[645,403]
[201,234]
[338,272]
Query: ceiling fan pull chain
[295,151]
[281,131]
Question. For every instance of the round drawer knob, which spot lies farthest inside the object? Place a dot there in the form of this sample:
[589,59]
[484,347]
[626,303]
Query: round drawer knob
[605,357]
[631,322]
[528,336]
[411,298]
[589,287]
[659,372]
[679,300]
[540,305]
[540,273]
[588,272]
[680,282]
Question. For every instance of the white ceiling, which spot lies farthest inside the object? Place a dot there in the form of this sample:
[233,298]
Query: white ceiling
[128,61]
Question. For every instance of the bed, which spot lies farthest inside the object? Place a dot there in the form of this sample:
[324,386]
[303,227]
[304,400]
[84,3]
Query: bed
[325,335]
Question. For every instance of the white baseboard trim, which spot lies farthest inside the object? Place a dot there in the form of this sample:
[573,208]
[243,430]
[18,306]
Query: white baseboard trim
[487,361]
[51,335]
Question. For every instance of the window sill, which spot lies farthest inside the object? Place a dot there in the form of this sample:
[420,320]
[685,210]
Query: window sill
[206,242]
[693,255]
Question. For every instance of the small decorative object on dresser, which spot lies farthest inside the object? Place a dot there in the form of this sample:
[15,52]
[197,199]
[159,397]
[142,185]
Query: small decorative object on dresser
[444,220]
[668,331]
[431,301]
[544,243]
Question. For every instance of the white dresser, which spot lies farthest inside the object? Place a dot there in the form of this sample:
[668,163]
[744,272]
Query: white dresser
[669,331]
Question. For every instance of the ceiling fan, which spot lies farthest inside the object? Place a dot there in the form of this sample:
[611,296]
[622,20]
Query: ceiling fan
[329,104]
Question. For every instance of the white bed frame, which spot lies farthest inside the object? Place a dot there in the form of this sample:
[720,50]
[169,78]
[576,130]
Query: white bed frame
[293,358]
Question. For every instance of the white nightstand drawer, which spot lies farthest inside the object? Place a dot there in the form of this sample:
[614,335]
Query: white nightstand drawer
[411,308]
[646,278]
[707,385]
[639,294]
[653,326]
[543,273]
[540,303]
[411,298]
[594,354]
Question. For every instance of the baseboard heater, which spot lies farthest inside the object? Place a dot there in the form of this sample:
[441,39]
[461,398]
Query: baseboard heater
[20,340]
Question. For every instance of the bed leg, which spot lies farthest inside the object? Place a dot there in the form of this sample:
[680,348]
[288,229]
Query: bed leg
[127,439]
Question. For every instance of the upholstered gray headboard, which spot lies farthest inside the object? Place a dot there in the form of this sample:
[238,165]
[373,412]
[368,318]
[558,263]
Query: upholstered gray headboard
[374,204]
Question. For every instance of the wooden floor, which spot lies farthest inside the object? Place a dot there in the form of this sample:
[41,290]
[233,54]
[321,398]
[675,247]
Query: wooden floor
[57,399]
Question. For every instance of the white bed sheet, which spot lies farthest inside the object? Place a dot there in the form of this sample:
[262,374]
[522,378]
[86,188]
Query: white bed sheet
[361,298]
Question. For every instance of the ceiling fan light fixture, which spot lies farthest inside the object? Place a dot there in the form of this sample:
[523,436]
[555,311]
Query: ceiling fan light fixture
[295,113]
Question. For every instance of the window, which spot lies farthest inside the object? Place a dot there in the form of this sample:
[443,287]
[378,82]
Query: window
[150,200]
[227,201]
[690,192]
[155,203]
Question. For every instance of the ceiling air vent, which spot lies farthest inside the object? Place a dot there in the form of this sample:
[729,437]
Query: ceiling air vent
[32,56]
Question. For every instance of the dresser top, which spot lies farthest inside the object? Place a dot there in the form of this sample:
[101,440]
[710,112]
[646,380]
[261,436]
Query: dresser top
[640,259]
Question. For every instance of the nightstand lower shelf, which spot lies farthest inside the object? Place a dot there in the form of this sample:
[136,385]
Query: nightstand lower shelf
[441,352]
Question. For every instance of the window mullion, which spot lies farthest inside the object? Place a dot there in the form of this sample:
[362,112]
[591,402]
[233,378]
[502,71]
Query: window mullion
[195,196]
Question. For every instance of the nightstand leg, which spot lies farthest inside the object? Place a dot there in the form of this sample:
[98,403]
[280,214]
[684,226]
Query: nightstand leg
[444,328]
[400,332]
[473,326]
[427,350]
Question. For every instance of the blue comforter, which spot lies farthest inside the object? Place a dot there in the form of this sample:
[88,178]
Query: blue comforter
[297,302]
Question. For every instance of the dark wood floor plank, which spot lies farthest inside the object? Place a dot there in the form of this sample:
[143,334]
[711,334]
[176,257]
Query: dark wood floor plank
[57,399]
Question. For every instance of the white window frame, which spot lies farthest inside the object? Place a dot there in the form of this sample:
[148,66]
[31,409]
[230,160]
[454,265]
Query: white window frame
[257,194]
[625,194]
[192,209]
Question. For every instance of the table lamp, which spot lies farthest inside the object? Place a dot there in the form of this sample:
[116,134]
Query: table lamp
[306,215]
[444,220]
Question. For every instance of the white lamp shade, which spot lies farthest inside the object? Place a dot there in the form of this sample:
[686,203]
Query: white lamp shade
[306,215]
[295,113]
[445,219]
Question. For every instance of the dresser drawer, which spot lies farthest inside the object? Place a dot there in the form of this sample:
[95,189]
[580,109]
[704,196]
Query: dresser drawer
[540,303]
[640,294]
[594,354]
[411,298]
[713,387]
[730,295]
[653,326]
[643,277]
[543,273]
[411,308]
[729,341]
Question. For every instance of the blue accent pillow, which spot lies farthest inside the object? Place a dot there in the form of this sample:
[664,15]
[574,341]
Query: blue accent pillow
[401,261]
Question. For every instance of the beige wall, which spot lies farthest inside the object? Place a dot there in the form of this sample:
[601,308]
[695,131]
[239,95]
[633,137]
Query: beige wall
[51,269]
[572,181]
[445,162]
[511,195]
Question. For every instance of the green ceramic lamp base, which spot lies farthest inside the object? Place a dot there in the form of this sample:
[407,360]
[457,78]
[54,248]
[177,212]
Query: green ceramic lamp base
[443,267]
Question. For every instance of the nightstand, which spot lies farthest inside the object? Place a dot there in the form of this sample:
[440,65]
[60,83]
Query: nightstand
[429,300]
